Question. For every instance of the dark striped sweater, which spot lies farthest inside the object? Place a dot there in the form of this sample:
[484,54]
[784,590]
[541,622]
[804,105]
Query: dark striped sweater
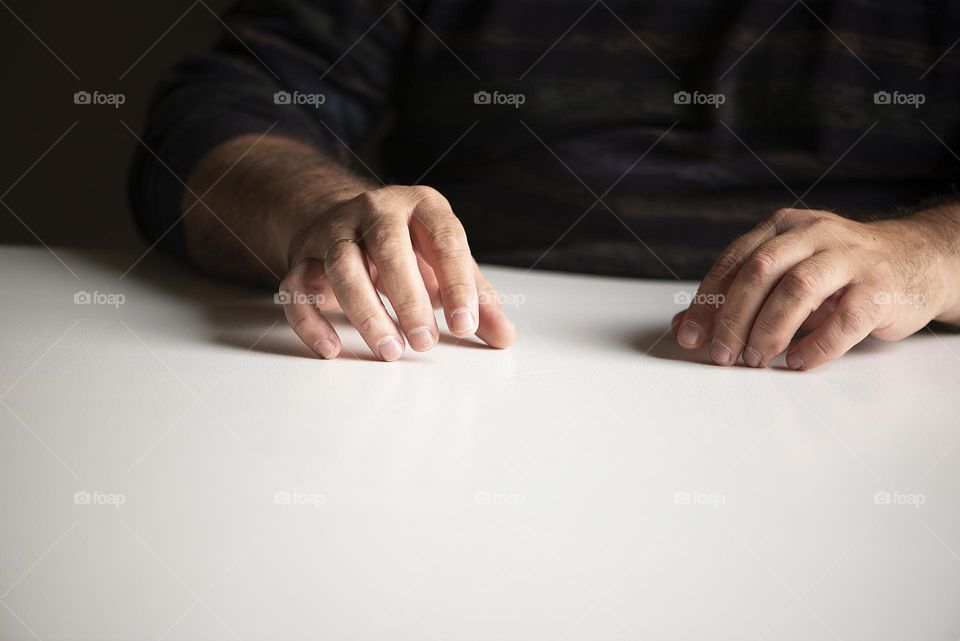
[633,137]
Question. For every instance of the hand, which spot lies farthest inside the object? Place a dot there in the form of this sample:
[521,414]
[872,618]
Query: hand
[839,279]
[405,242]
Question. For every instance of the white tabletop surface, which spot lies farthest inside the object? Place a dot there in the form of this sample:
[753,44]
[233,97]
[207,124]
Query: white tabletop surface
[177,466]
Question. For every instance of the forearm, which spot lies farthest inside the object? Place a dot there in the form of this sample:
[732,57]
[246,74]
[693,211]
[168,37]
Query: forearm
[939,227]
[254,197]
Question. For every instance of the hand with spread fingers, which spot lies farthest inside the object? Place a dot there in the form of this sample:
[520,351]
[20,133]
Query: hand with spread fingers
[334,241]
[405,242]
[817,272]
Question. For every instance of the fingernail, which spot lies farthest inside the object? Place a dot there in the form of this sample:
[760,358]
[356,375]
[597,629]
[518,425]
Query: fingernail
[794,361]
[421,338]
[752,357]
[689,334]
[326,349]
[720,353]
[462,321]
[389,348]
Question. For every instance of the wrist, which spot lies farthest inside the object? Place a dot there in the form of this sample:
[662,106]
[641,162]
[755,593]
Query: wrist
[312,201]
[311,195]
[930,239]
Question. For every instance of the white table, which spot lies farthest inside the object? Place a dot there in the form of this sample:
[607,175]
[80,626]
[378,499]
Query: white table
[591,483]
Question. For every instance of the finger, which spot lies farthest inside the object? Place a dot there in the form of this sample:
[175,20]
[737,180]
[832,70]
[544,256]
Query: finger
[698,322]
[442,241]
[302,314]
[348,275]
[801,291]
[387,241]
[856,315]
[675,321]
[430,282]
[495,329]
[820,314]
[697,325]
[317,282]
[755,280]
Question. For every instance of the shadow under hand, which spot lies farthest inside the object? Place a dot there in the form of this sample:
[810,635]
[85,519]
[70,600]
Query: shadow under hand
[659,342]
[234,315]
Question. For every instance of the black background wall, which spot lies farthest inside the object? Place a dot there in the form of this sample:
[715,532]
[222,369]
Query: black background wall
[75,194]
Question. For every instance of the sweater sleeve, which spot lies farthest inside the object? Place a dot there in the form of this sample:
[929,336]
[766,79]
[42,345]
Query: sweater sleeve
[301,68]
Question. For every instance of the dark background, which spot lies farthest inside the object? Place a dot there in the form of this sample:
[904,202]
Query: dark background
[76,194]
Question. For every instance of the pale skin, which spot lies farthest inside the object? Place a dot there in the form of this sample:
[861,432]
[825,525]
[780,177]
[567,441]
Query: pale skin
[837,279]
[333,240]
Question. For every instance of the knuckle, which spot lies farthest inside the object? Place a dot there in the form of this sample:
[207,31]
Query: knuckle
[457,291]
[334,261]
[450,239]
[367,202]
[853,320]
[765,331]
[770,332]
[761,266]
[726,263]
[287,285]
[367,321]
[730,324]
[769,224]
[427,195]
[822,226]
[823,347]
[405,306]
[341,277]
[781,216]
[387,239]
[800,284]
[298,319]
